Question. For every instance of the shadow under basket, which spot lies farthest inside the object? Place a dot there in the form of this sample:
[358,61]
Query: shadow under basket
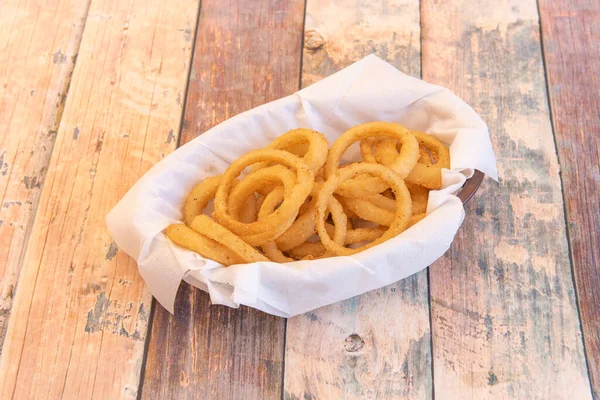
[471,186]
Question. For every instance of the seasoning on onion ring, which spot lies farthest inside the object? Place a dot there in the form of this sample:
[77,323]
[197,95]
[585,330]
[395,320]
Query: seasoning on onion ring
[199,197]
[276,175]
[306,249]
[420,197]
[358,235]
[314,156]
[208,248]
[211,229]
[272,200]
[270,227]
[424,172]
[402,164]
[403,201]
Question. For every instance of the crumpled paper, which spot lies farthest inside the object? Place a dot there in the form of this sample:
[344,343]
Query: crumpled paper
[368,90]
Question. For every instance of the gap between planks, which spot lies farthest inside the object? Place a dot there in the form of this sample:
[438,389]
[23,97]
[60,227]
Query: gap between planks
[236,352]
[110,114]
[502,302]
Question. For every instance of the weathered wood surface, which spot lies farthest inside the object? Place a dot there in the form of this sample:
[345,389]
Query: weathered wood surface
[571,33]
[376,345]
[35,70]
[504,317]
[503,305]
[80,312]
[247,53]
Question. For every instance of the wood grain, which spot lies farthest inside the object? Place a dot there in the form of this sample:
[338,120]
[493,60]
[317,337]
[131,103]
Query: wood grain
[81,310]
[35,71]
[504,318]
[571,32]
[376,345]
[247,53]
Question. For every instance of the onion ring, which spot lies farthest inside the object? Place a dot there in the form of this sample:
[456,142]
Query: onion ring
[272,200]
[186,237]
[366,149]
[306,249]
[383,202]
[416,218]
[316,154]
[361,186]
[300,230]
[419,196]
[204,192]
[248,212]
[425,156]
[368,211]
[402,165]
[277,175]
[211,229]
[403,202]
[424,173]
[269,228]
[303,227]
[364,234]
[199,197]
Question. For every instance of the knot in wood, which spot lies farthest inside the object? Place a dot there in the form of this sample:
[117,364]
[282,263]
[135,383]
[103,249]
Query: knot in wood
[353,343]
[313,40]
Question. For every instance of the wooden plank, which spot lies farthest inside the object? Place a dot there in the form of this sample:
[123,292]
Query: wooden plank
[570,32]
[35,70]
[247,53]
[504,318]
[376,345]
[80,313]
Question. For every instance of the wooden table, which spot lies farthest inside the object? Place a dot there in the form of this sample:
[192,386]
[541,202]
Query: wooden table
[95,92]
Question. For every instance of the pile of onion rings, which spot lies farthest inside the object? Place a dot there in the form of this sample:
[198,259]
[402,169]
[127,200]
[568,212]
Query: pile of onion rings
[294,201]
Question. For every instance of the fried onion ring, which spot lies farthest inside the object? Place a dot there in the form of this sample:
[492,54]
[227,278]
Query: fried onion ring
[277,175]
[186,237]
[307,249]
[272,200]
[416,218]
[419,196]
[370,212]
[401,216]
[424,173]
[402,164]
[271,226]
[199,197]
[314,156]
[211,229]
[364,234]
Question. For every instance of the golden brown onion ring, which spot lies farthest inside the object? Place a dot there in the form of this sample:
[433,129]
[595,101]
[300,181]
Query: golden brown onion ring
[183,236]
[211,229]
[403,202]
[269,228]
[316,154]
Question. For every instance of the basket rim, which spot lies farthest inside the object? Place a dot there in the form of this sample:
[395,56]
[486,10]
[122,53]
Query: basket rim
[471,186]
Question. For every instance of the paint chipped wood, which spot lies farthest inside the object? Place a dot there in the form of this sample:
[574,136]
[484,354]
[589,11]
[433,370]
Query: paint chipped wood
[571,31]
[372,346]
[206,351]
[81,310]
[389,29]
[346,350]
[35,70]
[504,318]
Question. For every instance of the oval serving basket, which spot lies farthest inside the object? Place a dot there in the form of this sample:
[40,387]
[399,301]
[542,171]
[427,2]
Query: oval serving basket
[369,90]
